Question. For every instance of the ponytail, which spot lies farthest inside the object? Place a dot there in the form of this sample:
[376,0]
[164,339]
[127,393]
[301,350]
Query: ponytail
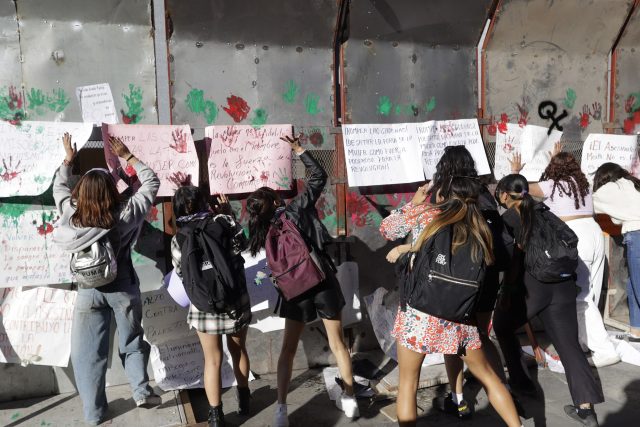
[517,188]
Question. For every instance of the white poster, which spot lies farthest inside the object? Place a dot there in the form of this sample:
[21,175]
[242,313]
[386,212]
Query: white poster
[96,104]
[507,144]
[31,153]
[28,256]
[535,147]
[381,154]
[36,326]
[162,319]
[601,148]
[435,136]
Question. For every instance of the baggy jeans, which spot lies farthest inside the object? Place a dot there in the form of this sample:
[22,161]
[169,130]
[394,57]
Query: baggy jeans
[90,346]
[632,242]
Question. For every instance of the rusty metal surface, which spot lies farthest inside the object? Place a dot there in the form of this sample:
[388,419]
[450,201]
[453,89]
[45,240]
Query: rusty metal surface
[274,61]
[412,61]
[66,44]
[628,71]
[10,72]
[535,54]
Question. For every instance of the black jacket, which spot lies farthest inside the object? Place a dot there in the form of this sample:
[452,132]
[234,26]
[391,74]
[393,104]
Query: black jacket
[302,209]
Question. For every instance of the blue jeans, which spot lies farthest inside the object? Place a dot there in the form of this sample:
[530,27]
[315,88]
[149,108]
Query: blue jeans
[632,241]
[90,346]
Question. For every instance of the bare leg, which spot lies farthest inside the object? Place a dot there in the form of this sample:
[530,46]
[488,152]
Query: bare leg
[212,349]
[490,351]
[239,357]
[454,366]
[292,331]
[339,350]
[409,363]
[496,391]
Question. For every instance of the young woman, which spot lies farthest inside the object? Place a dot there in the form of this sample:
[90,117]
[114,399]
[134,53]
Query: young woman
[419,333]
[324,300]
[565,190]
[617,193]
[525,297]
[90,212]
[189,206]
[412,218]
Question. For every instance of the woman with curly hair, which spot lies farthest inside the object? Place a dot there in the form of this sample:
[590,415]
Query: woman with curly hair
[566,191]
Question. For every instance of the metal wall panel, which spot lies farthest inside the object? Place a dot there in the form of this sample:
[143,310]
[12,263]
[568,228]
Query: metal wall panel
[535,54]
[66,44]
[627,89]
[275,61]
[10,71]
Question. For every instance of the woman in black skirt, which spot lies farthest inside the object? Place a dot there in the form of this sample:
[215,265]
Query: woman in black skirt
[324,300]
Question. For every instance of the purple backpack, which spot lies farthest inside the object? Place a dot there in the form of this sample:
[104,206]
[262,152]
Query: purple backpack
[293,267]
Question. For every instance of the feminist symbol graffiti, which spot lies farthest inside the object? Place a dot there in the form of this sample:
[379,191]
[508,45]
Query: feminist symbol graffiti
[547,110]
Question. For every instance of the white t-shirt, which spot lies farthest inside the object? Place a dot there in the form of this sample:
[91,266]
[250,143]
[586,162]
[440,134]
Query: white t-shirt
[563,204]
[621,201]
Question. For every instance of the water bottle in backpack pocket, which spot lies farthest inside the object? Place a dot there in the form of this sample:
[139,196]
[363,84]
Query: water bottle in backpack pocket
[94,266]
[440,283]
[551,253]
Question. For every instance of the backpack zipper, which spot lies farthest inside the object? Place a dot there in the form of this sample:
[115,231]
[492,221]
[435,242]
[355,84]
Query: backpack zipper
[291,269]
[91,267]
[450,279]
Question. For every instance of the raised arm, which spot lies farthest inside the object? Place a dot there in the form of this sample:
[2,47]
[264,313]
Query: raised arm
[61,189]
[517,165]
[402,221]
[317,179]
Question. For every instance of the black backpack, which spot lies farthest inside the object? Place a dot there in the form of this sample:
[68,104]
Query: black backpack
[211,263]
[551,253]
[442,284]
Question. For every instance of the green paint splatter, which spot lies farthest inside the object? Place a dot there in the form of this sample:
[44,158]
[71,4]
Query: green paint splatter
[11,108]
[291,92]
[431,105]
[15,416]
[282,180]
[36,100]
[58,100]
[398,109]
[134,105]
[635,106]
[570,98]
[39,129]
[311,104]
[260,116]
[11,213]
[197,104]
[39,179]
[384,105]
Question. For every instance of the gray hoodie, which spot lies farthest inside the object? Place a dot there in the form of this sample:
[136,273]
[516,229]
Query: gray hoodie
[132,214]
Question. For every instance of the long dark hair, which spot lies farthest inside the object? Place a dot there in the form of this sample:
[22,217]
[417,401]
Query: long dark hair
[611,172]
[455,161]
[96,200]
[564,167]
[517,187]
[461,210]
[188,200]
[261,206]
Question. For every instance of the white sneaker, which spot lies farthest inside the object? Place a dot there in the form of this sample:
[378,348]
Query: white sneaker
[280,417]
[600,361]
[348,405]
[149,401]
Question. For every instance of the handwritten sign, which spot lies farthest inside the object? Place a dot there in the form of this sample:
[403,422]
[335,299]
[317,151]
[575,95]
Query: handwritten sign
[164,148]
[243,158]
[162,319]
[28,256]
[434,136]
[507,144]
[31,153]
[36,326]
[96,104]
[378,154]
[535,145]
[603,148]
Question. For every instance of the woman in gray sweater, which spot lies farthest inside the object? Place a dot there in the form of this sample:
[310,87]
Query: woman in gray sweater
[92,210]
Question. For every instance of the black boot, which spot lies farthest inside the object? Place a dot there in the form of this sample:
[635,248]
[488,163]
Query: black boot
[243,395]
[216,416]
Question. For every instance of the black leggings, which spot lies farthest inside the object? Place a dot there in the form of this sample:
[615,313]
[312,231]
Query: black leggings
[555,305]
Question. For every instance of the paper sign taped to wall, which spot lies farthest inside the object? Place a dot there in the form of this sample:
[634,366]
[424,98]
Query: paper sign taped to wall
[601,148]
[96,104]
[434,136]
[28,256]
[244,158]
[163,320]
[168,150]
[378,154]
[535,146]
[36,326]
[32,152]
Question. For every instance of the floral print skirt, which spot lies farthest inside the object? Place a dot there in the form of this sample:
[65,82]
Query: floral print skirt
[427,334]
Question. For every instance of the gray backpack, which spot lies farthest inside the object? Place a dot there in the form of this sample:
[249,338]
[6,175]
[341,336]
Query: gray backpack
[94,266]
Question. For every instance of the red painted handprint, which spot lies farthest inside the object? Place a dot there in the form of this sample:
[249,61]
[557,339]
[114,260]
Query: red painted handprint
[10,171]
[180,139]
[237,108]
[584,117]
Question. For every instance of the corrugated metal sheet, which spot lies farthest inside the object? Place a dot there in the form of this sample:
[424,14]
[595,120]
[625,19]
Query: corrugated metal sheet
[540,50]
[66,44]
[627,90]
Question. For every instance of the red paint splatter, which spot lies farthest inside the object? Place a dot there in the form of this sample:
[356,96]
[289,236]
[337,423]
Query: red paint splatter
[316,138]
[15,99]
[358,208]
[264,177]
[45,229]
[130,170]
[8,176]
[237,108]
[10,170]
[492,129]
[152,216]
[628,104]
[632,123]
[523,115]
[502,126]
[584,120]
[128,119]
